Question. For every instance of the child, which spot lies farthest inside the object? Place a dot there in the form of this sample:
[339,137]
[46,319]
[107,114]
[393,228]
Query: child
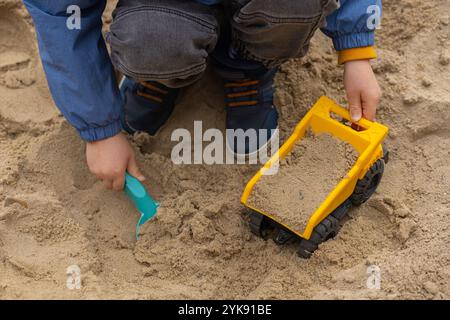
[164,45]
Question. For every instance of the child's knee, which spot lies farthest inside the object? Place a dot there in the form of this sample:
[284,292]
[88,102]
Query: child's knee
[163,42]
[272,31]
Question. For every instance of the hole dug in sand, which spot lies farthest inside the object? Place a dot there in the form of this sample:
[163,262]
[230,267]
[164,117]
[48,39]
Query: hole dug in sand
[306,177]
[24,94]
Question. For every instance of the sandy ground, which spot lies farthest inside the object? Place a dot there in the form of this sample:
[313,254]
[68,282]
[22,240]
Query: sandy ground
[54,214]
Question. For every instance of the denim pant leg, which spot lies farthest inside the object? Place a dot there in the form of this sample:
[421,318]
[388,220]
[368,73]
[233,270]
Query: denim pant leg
[273,31]
[163,40]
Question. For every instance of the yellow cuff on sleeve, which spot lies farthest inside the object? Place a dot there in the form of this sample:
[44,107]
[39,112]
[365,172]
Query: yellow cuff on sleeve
[364,53]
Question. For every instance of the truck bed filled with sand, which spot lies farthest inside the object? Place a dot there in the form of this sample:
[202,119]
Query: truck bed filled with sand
[305,178]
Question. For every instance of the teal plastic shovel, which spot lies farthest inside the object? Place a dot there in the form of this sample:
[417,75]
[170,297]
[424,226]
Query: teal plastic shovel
[141,199]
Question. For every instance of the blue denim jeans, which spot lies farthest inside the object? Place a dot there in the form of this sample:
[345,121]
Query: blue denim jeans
[170,41]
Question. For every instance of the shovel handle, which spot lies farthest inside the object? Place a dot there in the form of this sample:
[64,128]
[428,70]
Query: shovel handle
[139,196]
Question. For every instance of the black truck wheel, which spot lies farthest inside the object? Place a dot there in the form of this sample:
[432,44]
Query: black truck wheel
[386,154]
[341,212]
[326,230]
[282,236]
[259,224]
[367,186]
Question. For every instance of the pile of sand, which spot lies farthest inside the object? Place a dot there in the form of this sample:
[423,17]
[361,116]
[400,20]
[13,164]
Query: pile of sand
[54,214]
[306,177]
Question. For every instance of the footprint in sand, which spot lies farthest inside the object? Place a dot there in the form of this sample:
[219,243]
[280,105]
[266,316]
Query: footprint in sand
[16,51]
[15,70]
[23,92]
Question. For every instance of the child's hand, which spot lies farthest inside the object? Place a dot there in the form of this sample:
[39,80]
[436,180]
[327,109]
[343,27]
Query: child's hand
[363,91]
[109,159]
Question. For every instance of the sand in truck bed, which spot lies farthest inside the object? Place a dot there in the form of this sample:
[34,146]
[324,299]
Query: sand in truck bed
[305,178]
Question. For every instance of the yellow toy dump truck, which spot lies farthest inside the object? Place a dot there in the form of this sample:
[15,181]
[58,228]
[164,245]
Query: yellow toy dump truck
[354,189]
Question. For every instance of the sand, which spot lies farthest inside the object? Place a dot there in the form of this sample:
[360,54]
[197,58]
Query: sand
[305,178]
[200,245]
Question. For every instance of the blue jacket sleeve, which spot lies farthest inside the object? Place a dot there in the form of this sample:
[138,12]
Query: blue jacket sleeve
[353,24]
[76,62]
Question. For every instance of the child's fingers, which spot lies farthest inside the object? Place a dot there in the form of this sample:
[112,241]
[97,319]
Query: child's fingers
[354,104]
[370,110]
[119,182]
[370,105]
[108,184]
[134,170]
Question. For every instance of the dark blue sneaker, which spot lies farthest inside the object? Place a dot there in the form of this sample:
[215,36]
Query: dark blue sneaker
[147,105]
[249,91]
[250,107]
